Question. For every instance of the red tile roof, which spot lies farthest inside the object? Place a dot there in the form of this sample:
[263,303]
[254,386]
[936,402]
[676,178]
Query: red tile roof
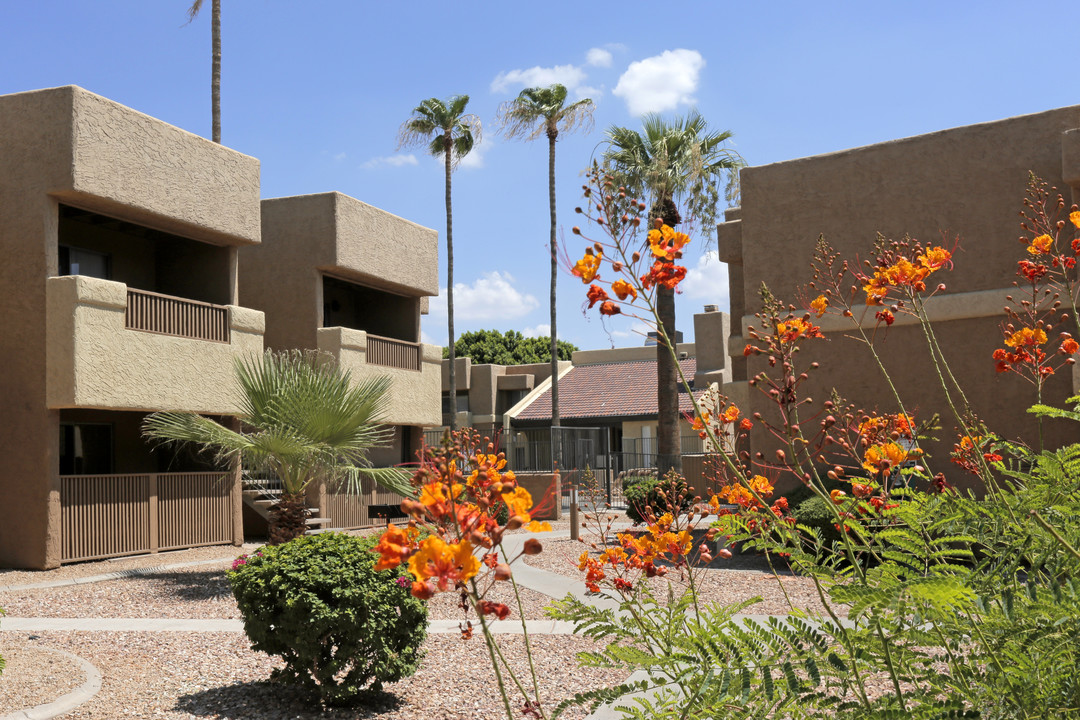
[619,389]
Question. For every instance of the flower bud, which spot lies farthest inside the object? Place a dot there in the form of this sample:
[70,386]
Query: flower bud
[724,553]
[533,547]
[502,572]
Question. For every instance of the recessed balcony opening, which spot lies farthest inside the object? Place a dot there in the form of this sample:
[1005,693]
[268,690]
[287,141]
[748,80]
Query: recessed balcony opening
[142,258]
[376,312]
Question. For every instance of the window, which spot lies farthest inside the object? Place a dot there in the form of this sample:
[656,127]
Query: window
[77,261]
[86,449]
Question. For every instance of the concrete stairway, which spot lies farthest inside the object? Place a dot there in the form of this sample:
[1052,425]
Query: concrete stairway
[261,495]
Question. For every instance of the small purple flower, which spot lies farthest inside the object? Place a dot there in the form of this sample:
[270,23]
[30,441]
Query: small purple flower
[402,582]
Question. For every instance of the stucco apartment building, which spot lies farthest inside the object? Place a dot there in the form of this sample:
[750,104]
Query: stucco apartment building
[967,182]
[120,237]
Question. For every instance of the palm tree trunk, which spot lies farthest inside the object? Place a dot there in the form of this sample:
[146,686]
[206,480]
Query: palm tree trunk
[450,288]
[669,453]
[288,519]
[556,446]
[215,72]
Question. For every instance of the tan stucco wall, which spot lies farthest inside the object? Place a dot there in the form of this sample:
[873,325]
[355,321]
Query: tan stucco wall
[159,175]
[65,144]
[967,182]
[93,361]
[414,396]
[307,236]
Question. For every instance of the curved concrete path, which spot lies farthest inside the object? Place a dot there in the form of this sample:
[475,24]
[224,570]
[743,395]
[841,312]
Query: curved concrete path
[67,702]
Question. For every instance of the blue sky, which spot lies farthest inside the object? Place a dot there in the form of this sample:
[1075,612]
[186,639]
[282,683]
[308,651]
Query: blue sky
[318,90]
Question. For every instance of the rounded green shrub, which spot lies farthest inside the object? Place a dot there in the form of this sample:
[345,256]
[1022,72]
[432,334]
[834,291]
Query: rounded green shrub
[341,627]
[814,512]
[660,495]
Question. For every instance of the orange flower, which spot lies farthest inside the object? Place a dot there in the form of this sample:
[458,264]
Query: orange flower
[595,295]
[820,305]
[1041,245]
[890,454]
[1026,337]
[667,244]
[520,502]
[623,289]
[935,258]
[537,526]
[1074,216]
[393,548]
[795,328]
[587,267]
[442,563]
[838,496]
[609,308]
[730,415]
[1069,347]
[663,273]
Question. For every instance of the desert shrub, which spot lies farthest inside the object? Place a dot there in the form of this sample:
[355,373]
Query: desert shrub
[340,626]
[814,512]
[630,481]
[668,495]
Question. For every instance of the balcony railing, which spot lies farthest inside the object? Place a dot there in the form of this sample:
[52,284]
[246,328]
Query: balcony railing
[393,353]
[167,315]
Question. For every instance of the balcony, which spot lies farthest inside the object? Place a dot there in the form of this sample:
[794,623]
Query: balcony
[414,369]
[118,348]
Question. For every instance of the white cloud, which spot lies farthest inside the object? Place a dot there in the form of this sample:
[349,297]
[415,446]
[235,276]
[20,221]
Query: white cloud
[541,330]
[437,339]
[493,296]
[389,160]
[339,157]
[598,57]
[707,281]
[662,82]
[569,75]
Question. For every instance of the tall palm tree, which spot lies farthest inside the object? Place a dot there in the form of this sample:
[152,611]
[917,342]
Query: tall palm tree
[543,111]
[302,420]
[446,130]
[681,163]
[215,69]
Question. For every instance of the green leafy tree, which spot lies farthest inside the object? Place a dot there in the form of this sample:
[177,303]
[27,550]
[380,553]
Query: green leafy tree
[215,69]
[543,111]
[673,164]
[301,419]
[510,348]
[443,127]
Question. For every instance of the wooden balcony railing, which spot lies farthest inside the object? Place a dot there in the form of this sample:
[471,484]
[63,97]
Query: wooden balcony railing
[167,315]
[393,353]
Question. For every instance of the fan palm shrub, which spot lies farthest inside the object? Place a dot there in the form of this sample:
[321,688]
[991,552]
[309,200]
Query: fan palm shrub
[303,420]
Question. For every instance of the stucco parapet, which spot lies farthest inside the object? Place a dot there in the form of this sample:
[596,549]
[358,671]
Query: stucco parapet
[431,354]
[1070,157]
[515,382]
[629,354]
[349,239]
[335,339]
[939,308]
[729,242]
[135,167]
[74,290]
[244,319]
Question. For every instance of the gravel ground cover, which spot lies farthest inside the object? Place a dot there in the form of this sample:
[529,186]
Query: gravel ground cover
[216,675]
[725,582]
[200,592]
